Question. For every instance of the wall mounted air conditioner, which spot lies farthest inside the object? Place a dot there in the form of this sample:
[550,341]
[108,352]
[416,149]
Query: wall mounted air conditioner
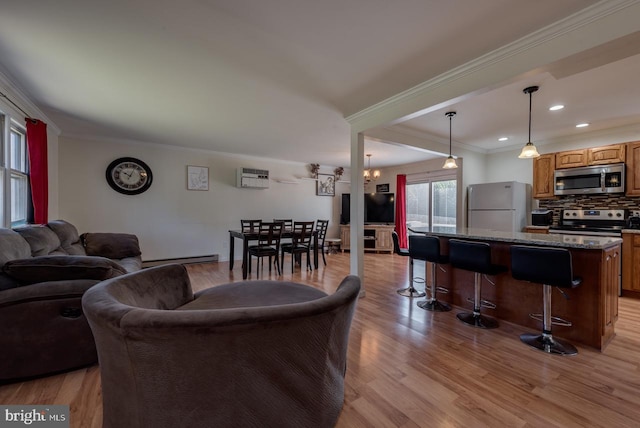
[251,178]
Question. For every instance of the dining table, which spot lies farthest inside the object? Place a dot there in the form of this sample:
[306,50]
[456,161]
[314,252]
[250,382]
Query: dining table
[247,237]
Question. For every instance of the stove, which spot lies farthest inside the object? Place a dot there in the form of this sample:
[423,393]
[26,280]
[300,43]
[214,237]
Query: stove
[591,222]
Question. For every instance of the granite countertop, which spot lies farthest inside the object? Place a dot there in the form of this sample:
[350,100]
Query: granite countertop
[546,240]
[633,231]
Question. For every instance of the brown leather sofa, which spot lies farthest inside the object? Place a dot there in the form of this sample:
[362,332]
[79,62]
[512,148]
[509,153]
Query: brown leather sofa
[245,354]
[45,270]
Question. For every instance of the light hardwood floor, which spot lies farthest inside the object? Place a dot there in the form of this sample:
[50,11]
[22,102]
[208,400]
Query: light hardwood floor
[411,368]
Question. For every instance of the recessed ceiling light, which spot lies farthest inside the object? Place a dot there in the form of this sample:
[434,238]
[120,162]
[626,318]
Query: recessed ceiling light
[503,138]
[582,125]
[556,107]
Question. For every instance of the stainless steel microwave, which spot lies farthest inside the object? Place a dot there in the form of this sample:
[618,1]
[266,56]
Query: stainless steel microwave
[589,179]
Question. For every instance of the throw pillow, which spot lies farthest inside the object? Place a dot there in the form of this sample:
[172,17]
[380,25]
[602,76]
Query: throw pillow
[111,245]
[59,268]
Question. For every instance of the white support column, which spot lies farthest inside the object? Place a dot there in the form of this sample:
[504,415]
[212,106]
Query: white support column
[357,208]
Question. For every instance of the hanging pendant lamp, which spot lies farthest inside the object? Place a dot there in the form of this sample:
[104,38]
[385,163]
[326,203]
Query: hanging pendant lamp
[450,163]
[529,150]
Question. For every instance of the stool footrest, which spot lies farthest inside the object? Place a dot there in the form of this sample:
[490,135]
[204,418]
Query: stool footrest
[554,320]
[483,303]
[442,290]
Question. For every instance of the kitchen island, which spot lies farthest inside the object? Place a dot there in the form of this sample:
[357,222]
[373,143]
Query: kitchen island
[592,307]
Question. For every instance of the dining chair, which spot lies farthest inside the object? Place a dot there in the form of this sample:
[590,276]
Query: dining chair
[321,228]
[288,223]
[250,226]
[287,227]
[300,243]
[268,244]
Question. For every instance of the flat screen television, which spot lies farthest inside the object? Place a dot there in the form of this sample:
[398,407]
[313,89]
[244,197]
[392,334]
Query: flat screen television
[378,208]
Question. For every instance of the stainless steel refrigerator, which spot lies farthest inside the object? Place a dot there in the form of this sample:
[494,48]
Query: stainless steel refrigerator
[503,206]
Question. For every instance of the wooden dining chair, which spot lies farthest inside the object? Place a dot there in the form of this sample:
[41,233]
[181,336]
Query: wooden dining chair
[300,243]
[288,223]
[321,228]
[250,226]
[268,245]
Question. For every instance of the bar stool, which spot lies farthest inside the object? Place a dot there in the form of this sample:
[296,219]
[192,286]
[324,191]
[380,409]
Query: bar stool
[427,248]
[410,291]
[475,257]
[550,267]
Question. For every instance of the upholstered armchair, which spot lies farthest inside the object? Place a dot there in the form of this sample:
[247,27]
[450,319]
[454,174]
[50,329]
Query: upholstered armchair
[245,354]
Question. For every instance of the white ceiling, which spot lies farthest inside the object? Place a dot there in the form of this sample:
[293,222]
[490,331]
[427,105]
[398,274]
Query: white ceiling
[277,78]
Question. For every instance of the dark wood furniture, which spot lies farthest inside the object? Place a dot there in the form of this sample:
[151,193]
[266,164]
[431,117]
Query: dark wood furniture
[321,227]
[248,237]
[268,244]
[300,244]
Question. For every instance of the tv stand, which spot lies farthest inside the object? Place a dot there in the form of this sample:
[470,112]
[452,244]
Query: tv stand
[377,237]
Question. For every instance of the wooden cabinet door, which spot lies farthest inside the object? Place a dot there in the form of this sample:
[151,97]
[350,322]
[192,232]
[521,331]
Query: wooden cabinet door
[543,168]
[631,262]
[633,169]
[384,241]
[571,159]
[606,155]
[610,275]
[345,237]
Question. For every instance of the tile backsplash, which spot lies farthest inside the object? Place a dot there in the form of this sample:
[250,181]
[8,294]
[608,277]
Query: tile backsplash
[595,202]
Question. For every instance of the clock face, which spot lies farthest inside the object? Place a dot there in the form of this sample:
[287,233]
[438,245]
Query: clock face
[129,176]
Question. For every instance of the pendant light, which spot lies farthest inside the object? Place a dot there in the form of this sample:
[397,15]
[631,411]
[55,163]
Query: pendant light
[450,162]
[529,150]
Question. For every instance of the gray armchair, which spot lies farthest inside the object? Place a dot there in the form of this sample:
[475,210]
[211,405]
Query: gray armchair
[246,354]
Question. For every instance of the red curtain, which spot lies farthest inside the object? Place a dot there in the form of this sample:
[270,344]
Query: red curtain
[401,210]
[38,170]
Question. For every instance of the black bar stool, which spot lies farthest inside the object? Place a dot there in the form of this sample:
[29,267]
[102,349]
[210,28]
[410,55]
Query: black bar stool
[475,257]
[550,267]
[427,248]
[410,291]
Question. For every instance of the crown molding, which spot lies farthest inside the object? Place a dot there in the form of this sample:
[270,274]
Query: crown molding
[563,27]
[19,97]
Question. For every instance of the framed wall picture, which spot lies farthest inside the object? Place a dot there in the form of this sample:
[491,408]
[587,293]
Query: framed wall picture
[326,185]
[197,177]
[382,188]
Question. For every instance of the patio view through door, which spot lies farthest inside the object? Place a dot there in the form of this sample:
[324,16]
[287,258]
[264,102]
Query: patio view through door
[432,202]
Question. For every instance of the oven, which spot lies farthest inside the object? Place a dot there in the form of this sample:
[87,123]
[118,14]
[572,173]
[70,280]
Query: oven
[592,223]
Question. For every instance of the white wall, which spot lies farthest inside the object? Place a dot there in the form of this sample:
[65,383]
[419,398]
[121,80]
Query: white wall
[171,221]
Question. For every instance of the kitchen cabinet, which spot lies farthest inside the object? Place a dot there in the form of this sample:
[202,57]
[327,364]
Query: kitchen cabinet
[610,277]
[633,169]
[614,153]
[543,168]
[631,265]
[377,237]
[571,159]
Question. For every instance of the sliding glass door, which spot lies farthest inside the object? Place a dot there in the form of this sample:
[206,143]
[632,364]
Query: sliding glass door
[431,202]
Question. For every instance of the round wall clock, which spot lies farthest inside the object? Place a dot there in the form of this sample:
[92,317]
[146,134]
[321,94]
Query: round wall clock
[129,176]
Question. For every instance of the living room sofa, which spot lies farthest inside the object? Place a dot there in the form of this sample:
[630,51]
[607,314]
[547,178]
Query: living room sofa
[45,270]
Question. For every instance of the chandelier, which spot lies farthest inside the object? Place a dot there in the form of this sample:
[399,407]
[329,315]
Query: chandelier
[369,174]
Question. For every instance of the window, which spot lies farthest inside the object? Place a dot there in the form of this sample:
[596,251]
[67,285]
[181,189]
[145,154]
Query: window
[19,175]
[432,201]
